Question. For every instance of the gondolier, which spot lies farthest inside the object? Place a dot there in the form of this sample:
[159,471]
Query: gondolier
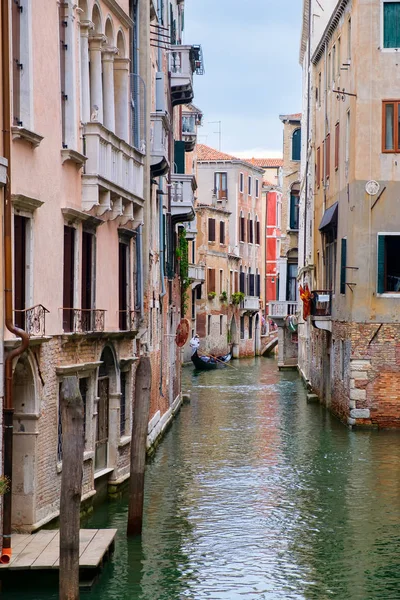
[194,343]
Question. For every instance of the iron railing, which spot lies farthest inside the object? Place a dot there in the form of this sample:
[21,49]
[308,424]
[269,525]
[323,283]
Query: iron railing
[83,320]
[321,303]
[32,320]
[128,319]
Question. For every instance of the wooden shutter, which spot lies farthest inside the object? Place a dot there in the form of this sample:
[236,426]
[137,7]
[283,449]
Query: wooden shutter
[318,167]
[328,155]
[123,285]
[211,281]
[236,281]
[381,264]
[242,229]
[391,25]
[251,284]
[17,66]
[19,269]
[249,231]
[258,285]
[221,232]
[337,131]
[179,156]
[68,289]
[87,253]
[343,259]
[241,283]
[258,236]
[211,230]
[296,144]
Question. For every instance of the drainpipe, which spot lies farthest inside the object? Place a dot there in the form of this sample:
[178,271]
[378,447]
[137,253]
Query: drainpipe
[8,410]
[308,131]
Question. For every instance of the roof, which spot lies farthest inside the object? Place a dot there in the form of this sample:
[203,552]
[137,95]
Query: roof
[294,117]
[265,163]
[208,154]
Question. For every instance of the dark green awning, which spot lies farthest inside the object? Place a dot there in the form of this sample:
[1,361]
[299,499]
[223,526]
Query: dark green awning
[329,220]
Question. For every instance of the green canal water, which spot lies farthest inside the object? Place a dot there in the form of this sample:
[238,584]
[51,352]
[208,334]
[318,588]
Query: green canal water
[254,494]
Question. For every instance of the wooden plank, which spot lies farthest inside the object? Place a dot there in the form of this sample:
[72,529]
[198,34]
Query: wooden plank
[99,545]
[85,537]
[50,554]
[31,552]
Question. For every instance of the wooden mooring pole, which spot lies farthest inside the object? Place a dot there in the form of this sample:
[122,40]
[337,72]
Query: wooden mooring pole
[138,446]
[71,487]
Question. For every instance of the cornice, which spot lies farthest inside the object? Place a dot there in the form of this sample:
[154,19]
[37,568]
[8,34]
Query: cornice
[121,14]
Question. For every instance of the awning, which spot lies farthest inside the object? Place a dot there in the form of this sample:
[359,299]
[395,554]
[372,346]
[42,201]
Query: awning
[329,220]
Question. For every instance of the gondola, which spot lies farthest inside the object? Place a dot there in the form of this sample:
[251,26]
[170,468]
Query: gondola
[206,363]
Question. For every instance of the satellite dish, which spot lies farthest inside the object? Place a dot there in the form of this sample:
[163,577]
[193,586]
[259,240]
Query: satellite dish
[182,333]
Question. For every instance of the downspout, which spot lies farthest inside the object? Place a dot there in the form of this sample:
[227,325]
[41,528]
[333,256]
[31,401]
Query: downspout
[8,410]
[308,129]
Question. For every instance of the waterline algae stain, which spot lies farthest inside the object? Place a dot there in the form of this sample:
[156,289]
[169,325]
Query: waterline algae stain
[255,493]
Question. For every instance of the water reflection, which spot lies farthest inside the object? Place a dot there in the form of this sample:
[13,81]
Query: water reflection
[255,494]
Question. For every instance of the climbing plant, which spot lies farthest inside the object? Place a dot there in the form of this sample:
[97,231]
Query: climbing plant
[4,485]
[182,255]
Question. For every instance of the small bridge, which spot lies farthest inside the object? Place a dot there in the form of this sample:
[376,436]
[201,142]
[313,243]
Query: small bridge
[268,342]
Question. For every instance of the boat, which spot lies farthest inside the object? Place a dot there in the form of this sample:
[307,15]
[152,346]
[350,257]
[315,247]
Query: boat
[208,363]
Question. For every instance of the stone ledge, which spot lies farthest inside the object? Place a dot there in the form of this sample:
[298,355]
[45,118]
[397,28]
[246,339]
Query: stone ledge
[21,133]
[69,155]
[356,394]
[360,413]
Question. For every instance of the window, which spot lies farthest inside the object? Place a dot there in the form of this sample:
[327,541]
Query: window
[251,284]
[68,278]
[21,272]
[83,389]
[338,57]
[250,190]
[328,156]
[194,252]
[22,63]
[221,281]
[250,230]
[242,228]
[258,234]
[87,270]
[122,409]
[349,39]
[329,71]
[258,284]
[221,321]
[388,263]
[211,230]
[391,24]
[222,232]
[257,188]
[242,327]
[123,286]
[318,167]
[242,285]
[291,292]
[391,126]
[211,281]
[231,282]
[330,259]
[337,132]
[296,144]
[333,66]
[347,153]
[193,304]
[294,206]
[236,281]
[320,89]
[250,327]
[221,186]
[343,259]
[241,183]
[209,325]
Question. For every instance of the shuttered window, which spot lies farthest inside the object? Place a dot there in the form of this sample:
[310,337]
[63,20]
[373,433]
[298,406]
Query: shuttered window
[251,284]
[221,186]
[242,229]
[242,283]
[318,167]
[294,206]
[343,259]
[258,285]
[258,236]
[391,24]
[211,230]
[250,327]
[328,156]
[337,132]
[20,229]
[221,232]
[87,269]
[68,277]
[179,156]
[391,126]
[236,281]
[296,144]
[211,281]
[241,183]
[250,230]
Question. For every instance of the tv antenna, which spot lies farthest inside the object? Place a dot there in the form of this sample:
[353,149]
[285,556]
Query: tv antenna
[219,123]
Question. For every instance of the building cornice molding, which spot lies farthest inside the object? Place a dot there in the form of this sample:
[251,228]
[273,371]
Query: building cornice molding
[27,203]
[329,29]
[233,162]
[121,14]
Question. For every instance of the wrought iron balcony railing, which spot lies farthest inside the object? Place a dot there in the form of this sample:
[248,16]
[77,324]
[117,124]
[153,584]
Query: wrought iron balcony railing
[32,320]
[321,304]
[128,320]
[83,320]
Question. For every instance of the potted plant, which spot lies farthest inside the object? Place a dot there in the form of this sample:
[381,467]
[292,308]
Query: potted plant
[211,295]
[237,298]
[223,297]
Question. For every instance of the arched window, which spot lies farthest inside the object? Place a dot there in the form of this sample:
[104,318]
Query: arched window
[242,228]
[294,206]
[296,144]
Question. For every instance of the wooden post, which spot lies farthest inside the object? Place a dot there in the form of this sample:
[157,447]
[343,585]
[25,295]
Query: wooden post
[71,487]
[138,446]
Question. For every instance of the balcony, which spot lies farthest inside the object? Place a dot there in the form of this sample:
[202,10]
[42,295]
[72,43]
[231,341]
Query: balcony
[191,229]
[159,162]
[32,320]
[182,197]
[282,309]
[250,303]
[197,272]
[113,169]
[82,320]
[128,320]
[189,132]
[321,309]
[182,67]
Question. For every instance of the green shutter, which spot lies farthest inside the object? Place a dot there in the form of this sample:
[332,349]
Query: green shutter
[179,157]
[391,24]
[343,260]
[296,144]
[381,264]
[292,223]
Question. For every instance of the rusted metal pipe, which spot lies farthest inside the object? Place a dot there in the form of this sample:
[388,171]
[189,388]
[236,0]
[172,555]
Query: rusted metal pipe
[8,409]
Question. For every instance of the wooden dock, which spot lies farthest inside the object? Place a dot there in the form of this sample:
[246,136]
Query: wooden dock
[42,550]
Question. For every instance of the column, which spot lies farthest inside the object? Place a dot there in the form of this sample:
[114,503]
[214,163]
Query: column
[96,86]
[121,86]
[108,87]
[85,26]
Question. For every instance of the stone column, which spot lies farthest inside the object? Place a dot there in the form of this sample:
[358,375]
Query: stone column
[96,85]
[85,26]
[108,87]
[122,97]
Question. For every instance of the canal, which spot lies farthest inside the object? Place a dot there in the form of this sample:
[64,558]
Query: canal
[255,494]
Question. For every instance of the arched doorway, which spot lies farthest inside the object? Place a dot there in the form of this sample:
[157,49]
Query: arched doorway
[106,385]
[233,338]
[257,336]
[25,439]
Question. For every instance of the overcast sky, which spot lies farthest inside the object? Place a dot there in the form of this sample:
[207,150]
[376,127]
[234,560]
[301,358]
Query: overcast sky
[251,56]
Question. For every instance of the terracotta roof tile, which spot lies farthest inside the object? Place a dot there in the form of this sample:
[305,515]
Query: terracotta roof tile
[265,163]
[206,153]
[294,117]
